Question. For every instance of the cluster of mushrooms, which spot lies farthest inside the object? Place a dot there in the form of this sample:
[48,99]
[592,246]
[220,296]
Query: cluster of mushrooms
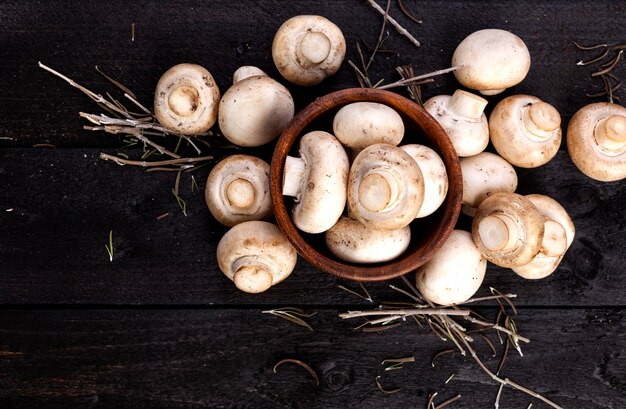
[383,186]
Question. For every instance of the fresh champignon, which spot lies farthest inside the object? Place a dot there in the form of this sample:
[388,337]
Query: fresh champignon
[557,238]
[353,241]
[254,111]
[186,99]
[306,49]
[525,130]
[462,116]
[360,124]
[255,255]
[483,175]
[237,190]
[385,187]
[434,174]
[492,61]
[247,71]
[596,141]
[318,180]
[508,229]
[455,272]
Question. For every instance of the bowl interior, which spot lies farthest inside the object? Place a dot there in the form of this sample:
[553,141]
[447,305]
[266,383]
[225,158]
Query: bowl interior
[427,234]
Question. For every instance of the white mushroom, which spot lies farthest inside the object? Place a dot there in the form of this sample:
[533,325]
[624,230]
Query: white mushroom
[186,99]
[353,241]
[596,141]
[237,190]
[385,187]
[492,61]
[508,229]
[462,117]
[307,49]
[317,179]
[246,71]
[557,238]
[455,273]
[525,130]
[434,174]
[255,255]
[361,124]
[483,175]
[254,111]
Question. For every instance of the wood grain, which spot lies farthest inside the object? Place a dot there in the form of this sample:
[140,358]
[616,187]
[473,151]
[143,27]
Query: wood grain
[224,359]
[160,326]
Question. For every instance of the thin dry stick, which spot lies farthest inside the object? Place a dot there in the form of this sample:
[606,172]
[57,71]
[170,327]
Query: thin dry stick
[430,404]
[497,402]
[506,380]
[593,47]
[610,65]
[96,97]
[420,77]
[394,23]
[403,312]
[380,38]
[116,83]
[144,164]
[448,401]
[137,133]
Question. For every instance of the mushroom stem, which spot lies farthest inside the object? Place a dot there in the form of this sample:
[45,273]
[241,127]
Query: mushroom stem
[467,105]
[252,274]
[240,193]
[497,232]
[541,120]
[610,133]
[554,242]
[293,176]
[490,92]
[184,100]
[378,190]
[314,48]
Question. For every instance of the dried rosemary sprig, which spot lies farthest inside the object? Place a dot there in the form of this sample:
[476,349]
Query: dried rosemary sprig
[291,314]
[300,363]
[611,84]
[442,322]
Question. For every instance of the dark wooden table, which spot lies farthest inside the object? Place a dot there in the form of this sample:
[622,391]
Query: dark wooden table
[161,327]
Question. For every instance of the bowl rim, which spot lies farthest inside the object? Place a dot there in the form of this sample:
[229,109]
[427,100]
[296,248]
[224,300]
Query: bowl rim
[423,120]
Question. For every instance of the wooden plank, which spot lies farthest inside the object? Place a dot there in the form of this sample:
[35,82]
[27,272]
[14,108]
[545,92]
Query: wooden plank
[64,203]
[38,108]
[224,359]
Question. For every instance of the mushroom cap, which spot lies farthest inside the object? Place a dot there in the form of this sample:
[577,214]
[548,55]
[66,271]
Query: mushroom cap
[461,116]
[455,273]
[306,49]
[385,187]
[525,130]
[492,61]
[545,263]
[360,124]
[255,255]
[435,177]
[322,196]
[508,229]
[588,137]
[485,174]
[186,99]
[237,190]
[246,71]
[254,111]
[353,241]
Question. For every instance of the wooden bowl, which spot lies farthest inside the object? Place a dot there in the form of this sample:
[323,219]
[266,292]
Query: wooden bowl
[427,234]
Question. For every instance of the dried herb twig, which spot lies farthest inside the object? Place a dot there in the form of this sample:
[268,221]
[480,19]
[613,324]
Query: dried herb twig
[109,246]
[394,23]
[383,390]
[300,363]
[292,314]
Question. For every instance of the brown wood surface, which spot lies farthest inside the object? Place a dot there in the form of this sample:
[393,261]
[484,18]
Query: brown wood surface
[161,327]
